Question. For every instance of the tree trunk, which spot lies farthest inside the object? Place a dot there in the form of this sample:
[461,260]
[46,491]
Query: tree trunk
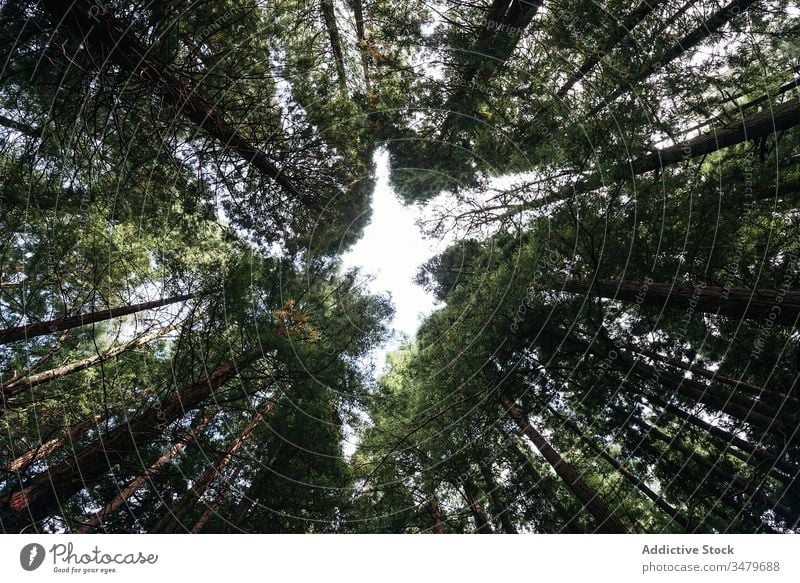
[620,32]
[754,390]
[243,508]
[45,493]
[99,27]
[723,505]
[361,34]
[757,456]
[41,451]
[248,499]
[755,413]
[502,30]
[738,406]
[687,43]
[17,333]
[16,386]
[736,111]
[329,16]
[27,130]
[172,519]
[739,303]
[712,467]
[499,507]
[591,500]
[568,517]
[206,516]
[771,121]
[95,521]
[627,474]
[436,513]
[482,524]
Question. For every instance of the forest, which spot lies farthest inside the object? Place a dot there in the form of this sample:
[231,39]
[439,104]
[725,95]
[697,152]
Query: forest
[614,345]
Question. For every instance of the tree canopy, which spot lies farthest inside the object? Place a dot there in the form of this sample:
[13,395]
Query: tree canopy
[615,341]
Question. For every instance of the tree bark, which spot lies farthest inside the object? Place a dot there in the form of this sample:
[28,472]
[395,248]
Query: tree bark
[99,27]
[44,494]
[361,34]
[482,523]
[754,390]
[17,333]
[242,509]
[97,519]
[591,500]
[41,451]
[27,130]
[259,481]
[755,413]
[505,23]
[740,407]
[16,386]
[739,303]
[764,123]
[329,17]
[172,519]
[620,33]
[568,517]
[720,504]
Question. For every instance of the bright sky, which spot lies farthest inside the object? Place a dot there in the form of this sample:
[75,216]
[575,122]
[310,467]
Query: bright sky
[391,251]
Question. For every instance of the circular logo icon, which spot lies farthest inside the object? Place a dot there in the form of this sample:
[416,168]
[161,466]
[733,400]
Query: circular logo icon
[31,556]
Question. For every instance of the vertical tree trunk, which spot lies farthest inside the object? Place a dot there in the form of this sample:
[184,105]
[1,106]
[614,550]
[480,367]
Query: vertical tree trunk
[771,121]
[30,131]
[212,508]
[44,494]
[628,475]
[243,508]
[436,513]
[758,456]
[754,390]
[248,499]
[329,16]
[738,406]
[41,361]
[172,519]
[482,524]
[502,30]
[722,505]
[361,34]
[607,522]
[755,413]
[95,521]
[499,507]
[568,517]
[17,333]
